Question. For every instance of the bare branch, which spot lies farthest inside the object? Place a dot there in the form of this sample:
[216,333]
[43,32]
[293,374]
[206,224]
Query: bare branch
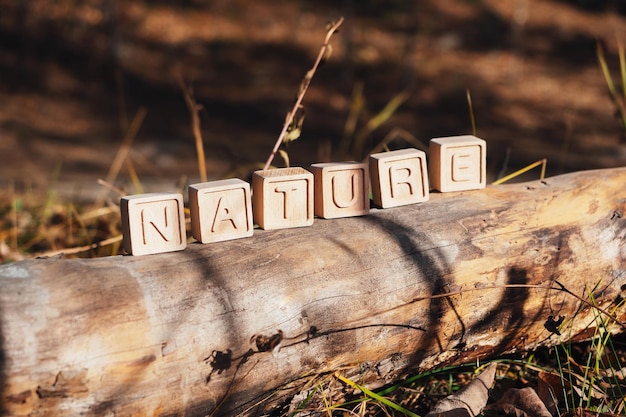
[303,88]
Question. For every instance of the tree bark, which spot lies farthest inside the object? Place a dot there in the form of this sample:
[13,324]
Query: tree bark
[217,327]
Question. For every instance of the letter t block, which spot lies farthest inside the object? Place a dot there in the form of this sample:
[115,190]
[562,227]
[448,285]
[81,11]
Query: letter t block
[457,163]
[282,198]
[220,210]
[153,223]
[341,189]
[399,178]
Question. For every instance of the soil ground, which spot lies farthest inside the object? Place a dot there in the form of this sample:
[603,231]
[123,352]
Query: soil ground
[73,75]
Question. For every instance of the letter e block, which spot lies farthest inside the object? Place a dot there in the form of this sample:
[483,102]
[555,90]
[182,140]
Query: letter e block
[399,177]
[153,223]
[282,198]
[341,189]
[457,163]
[220,210]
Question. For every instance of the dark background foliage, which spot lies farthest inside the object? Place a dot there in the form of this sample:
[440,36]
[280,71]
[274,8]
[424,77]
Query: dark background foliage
[74,73]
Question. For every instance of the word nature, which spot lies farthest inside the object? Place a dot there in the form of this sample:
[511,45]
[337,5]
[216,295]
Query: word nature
[292,197]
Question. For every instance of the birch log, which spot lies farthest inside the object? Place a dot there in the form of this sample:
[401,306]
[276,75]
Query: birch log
[216,328]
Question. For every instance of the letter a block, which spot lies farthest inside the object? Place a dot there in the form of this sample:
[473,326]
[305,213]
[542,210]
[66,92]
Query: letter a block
[457,163]
[341,189]
[153,223]
[282,198]
[220,210]
[399,178]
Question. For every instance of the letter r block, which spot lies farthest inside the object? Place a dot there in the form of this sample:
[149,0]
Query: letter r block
[341,189]
[457,163]
[153,223]
[220,210]
[399,177]
[282,198]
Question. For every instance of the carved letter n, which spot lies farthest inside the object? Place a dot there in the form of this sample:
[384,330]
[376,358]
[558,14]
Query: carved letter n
[153,223]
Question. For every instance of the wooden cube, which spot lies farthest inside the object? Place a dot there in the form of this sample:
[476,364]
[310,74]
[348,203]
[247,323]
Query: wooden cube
[220,210]
[399,177]
[341,189]
[457,163]
[282,198]
[153,223]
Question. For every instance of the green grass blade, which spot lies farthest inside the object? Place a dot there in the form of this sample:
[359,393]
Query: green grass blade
[377,121]
[622,66]
[376,397]
[605,71]
[619,107]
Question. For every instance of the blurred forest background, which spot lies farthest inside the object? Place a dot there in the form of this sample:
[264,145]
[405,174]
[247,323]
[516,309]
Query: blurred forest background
[74,75]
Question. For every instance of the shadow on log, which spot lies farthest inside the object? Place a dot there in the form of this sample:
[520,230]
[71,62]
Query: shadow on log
[237,327]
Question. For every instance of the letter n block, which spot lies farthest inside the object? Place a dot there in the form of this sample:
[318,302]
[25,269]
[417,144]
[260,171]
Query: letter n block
[220,210]
[341,189]
[399,177]
[153,223]
[282,198]
[457,163]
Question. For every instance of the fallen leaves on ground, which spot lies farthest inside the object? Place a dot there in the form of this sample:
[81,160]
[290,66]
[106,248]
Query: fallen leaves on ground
[469,400]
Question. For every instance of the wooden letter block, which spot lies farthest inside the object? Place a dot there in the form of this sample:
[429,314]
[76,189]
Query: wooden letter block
[282,198]
[220,210]
[399,178]
[457,163]
[341,189]
[153,223]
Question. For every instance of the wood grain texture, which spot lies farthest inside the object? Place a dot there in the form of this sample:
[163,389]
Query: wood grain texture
[399,178]
[457,163]
[341,189]
[196,332]
[283,198]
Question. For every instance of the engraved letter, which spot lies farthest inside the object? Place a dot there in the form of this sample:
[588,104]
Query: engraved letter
[338,190]
[156,228]
[225,217]
[395,180]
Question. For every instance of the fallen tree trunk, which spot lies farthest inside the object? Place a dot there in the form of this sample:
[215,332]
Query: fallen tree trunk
[214,328]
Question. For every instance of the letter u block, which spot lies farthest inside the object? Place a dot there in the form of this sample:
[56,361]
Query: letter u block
[399,177]
[282,198]
[457,163]
[153,223]
[220,210]
[341,189]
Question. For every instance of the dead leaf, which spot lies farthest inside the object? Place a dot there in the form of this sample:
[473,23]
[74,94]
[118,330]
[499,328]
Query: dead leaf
[468,401]
[522,402]
[283,154]
[295,127]
[550,390]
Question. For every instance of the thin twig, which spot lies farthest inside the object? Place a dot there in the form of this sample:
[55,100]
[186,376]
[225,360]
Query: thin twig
[558,287]
[194,110]
[303,89]
[123,151]
[79,249]
[111,187]
[471,111]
